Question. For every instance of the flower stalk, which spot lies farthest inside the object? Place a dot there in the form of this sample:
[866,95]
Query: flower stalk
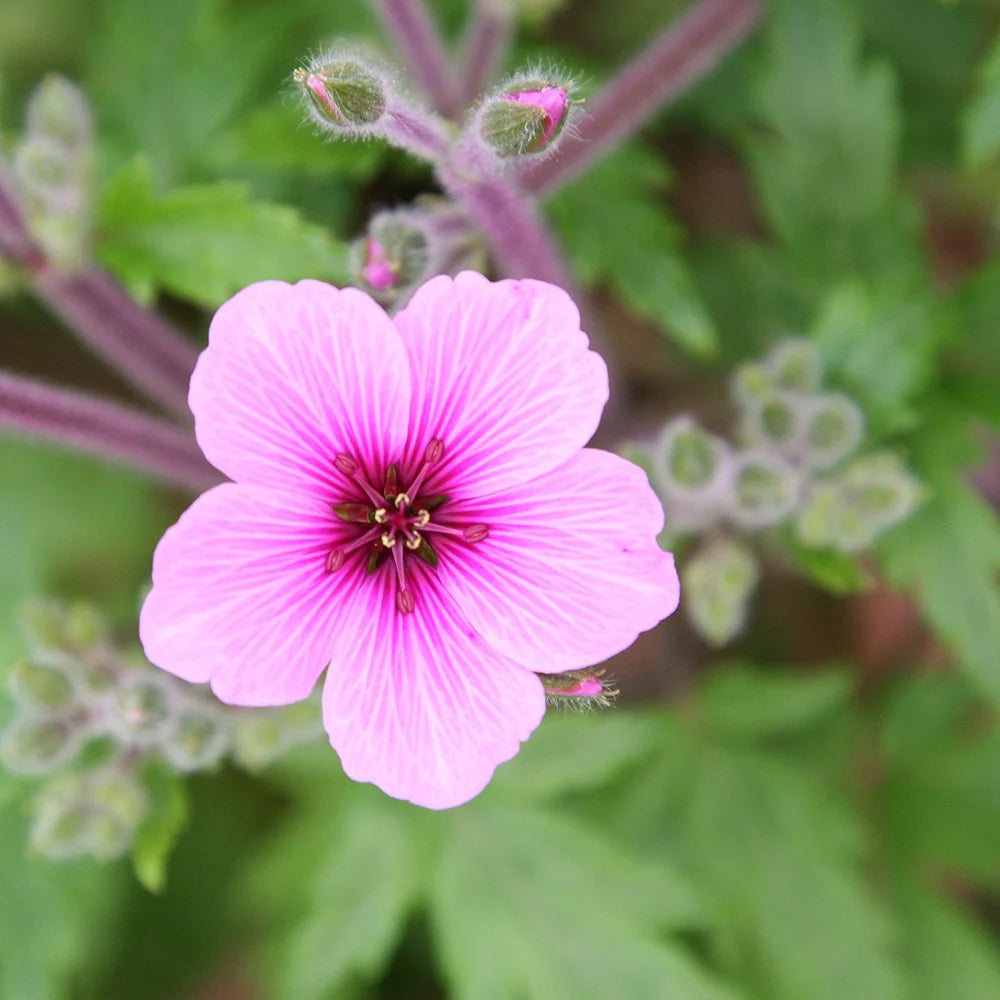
[686,51]
[417,39]
[487,40]
[82,422]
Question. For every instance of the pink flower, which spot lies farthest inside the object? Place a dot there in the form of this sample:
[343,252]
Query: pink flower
[412,504]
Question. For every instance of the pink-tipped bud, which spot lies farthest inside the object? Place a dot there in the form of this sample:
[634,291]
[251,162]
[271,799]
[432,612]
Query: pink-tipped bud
[526,118]
[344,94]
[476,533]
[376,270]
[586,687]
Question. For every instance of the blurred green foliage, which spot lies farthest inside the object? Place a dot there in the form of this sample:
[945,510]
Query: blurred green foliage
[780,831]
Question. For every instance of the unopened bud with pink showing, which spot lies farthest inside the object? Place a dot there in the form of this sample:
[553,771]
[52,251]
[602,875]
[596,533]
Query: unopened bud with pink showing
[343,94]
[526,116]
[579,688]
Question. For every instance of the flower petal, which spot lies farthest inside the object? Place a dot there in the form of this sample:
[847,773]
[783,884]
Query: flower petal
[294,375]
[241,598]
[421,706]
[503,375]
[571,572]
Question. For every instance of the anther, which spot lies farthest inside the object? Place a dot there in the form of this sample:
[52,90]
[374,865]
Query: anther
[413,541]
[380,515]
[334,560]
[423,516]
[404,601]
[434,452]
[402,501]
[388,539]
[476,533]
[345,464]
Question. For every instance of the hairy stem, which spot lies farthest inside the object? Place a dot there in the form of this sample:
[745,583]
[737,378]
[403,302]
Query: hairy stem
[680,55]
[487,40]
[146,350]
[86,423]
[419,42]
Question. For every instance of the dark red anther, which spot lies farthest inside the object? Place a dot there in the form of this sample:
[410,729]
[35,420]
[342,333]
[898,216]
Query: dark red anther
[334,560]
[404,601]
[345,464]
[391,482]
[476,533]
[359,512]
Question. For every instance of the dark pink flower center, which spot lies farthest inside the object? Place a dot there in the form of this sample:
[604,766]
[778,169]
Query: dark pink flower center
[394,522]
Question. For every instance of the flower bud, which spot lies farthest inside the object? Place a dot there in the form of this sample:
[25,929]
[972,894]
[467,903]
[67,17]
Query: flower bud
[197,739]
[764,489]
[579,688]
[57,109]
[139,708]
[40,744]
[343,93]
[833,428]
[775,420]
[42,688]
[794,364]
[691,469]
[717,583]
[394,254]
[849,510]
[525,118]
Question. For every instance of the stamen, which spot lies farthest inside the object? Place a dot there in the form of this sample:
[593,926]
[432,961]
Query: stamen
[423,516]
[380,515]
[389,539]
[432,455]
[404,601]
[413,540]
[402,501]
[350,468]
[476,533]
[335,557]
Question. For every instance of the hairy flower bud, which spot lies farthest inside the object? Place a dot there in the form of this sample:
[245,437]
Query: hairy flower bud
[691,469]
[579,688]
[833,429]
[198,739]
[139,708]
[40,744]
[345,93]
[42,688]
[764,489]
[525,118]
[717,583]
[794,364]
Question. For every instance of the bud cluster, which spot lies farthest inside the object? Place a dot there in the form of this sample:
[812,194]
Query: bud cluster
[53,170]
[791,464]
[88,716]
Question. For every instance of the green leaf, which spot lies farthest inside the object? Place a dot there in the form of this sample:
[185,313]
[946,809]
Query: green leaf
[782,856]
[881,346]
[948,552]
[981,121]
[204,243]
[342,886]
[575,752]
[57,921]
[746,703]
[169,77]
[824,166]
[526,903]
[972,369]
[166,817]
[616,228]
[834,571]
[948,954]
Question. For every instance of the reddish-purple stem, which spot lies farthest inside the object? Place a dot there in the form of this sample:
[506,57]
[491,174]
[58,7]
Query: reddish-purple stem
[118,433]
[680,55]
[486,42]
[419,42]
